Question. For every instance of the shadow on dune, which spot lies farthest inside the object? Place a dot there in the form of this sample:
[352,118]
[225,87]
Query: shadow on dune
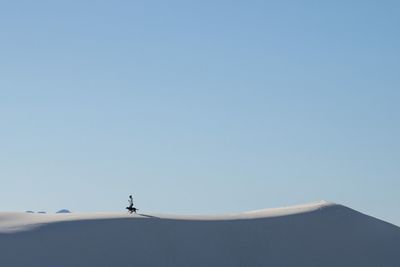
[148,216]
[333,236]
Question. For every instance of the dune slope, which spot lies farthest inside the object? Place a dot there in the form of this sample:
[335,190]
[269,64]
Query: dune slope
[319,234]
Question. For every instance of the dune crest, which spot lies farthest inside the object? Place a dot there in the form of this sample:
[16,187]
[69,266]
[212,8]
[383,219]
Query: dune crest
[315,234]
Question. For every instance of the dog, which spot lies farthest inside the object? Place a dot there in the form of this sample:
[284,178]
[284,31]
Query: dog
[132,209]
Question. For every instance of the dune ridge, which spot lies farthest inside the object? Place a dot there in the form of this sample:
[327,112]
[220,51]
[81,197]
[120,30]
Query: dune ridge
[315,234]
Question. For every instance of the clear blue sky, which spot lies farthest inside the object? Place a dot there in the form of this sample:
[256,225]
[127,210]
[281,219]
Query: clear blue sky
[199,106]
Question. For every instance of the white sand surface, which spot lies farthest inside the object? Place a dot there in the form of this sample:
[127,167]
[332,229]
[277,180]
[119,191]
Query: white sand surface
[314,234]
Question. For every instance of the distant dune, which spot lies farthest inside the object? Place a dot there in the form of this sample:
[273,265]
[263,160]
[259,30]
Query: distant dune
[319,234]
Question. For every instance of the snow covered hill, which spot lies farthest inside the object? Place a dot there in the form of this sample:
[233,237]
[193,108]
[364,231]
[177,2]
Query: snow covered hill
[318,234]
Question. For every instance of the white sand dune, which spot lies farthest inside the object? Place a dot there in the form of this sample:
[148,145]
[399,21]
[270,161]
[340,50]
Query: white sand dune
[318,234]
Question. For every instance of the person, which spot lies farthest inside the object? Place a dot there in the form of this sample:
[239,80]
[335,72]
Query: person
[131,208]
[130,201]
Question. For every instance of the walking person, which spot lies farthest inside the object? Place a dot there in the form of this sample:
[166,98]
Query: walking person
[131,208]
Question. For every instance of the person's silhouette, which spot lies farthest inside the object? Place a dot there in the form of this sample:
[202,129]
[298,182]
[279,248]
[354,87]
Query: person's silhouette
[131,208]
[130,201]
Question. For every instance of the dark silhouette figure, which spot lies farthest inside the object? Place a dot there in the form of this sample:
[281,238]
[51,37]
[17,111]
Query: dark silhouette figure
[131,208]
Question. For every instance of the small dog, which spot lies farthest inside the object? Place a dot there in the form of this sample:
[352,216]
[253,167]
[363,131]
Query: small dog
[132,209]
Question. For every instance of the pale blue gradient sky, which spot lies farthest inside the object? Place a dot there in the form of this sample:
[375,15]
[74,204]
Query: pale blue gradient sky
[199,107]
